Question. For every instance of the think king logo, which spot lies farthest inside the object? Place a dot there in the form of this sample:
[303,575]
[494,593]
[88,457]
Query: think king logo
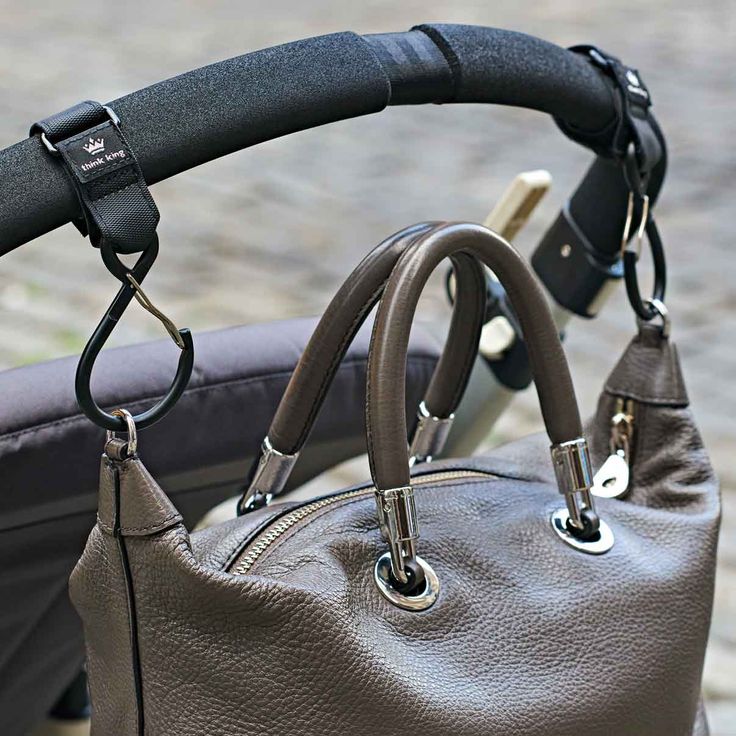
[94,146]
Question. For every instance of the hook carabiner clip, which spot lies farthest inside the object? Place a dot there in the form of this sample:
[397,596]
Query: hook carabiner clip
[637,183]
[131,279]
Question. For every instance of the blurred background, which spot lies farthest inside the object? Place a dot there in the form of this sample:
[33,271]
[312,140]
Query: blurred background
[271,232]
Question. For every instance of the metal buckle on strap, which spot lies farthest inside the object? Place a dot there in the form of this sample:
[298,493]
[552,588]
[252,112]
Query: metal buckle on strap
[402,577]
[397,515]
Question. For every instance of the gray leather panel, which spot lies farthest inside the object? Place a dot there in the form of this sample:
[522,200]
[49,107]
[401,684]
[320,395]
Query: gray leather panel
[528,636]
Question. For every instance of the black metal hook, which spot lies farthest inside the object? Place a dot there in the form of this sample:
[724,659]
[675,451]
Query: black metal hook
[130,289]
[631,252]
[644,308]
[638,204]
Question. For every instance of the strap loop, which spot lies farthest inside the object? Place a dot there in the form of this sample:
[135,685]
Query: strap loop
[633,123]
[645,309]
[114,198]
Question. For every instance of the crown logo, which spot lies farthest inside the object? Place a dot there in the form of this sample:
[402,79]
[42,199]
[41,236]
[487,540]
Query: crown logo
[94,146]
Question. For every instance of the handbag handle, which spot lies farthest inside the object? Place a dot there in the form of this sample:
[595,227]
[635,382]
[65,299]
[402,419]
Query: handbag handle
[326,348]
[385,399]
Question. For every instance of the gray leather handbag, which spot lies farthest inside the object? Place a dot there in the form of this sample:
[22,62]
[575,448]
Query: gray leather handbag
[502,595]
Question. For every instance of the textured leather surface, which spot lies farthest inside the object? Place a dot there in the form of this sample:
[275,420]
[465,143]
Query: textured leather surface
[633,378]
[152,513]
[385,401]
[343,317]
[528,636]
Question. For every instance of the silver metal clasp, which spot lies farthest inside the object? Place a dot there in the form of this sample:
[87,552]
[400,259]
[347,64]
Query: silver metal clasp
[630,221]
[269,478]
[397,516]
[429,436]
[122,449]
[574,473]
[660,309]
[578,524]
[402,577]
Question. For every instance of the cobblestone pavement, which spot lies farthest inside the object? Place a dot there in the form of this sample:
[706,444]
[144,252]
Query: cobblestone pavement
[272,231]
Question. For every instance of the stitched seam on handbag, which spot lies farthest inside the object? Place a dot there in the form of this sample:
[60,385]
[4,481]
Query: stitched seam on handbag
[368,384]
[130,600]
[160,526]
[190,392]
[675,401]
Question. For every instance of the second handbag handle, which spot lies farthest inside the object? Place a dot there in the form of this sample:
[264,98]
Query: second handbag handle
[385,398]
[325,350]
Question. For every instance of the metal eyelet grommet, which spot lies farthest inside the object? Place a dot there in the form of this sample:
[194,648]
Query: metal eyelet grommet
[598,545]
[419,602]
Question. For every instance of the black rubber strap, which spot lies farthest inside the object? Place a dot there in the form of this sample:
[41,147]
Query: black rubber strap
[633,124]
[116,204]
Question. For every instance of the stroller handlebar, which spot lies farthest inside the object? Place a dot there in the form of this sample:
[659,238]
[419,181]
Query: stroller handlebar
[201,115]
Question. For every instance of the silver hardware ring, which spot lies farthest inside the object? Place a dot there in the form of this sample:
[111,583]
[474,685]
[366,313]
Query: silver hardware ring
[659,307]
[54,151]
[132,431]
[598,545]
[419,602]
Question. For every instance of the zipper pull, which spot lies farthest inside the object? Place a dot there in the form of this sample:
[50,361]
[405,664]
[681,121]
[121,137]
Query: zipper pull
[612,480]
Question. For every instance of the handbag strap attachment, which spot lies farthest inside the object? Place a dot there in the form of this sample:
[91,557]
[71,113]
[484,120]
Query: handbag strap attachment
[385,402]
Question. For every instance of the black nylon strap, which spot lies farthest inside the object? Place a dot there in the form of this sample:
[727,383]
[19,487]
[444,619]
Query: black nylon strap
[633,124]
[115,201]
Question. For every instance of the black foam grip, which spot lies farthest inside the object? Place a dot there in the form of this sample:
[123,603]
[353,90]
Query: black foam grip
[199,116]
[508,68]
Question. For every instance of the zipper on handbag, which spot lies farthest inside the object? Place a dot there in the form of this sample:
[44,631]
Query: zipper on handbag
[613,478]
[276,529]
